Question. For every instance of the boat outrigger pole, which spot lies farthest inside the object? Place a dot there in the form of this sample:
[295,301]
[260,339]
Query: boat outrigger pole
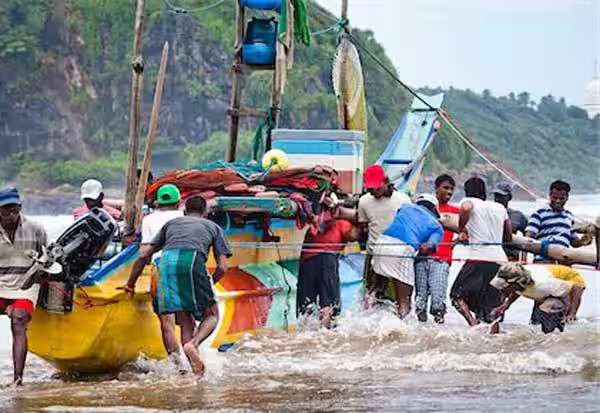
[134,116]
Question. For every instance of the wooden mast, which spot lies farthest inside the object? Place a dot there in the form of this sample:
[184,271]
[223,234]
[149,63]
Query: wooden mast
[143,181]
[237,84]
[134,116]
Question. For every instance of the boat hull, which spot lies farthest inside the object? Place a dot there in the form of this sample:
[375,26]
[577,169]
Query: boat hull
[107,328]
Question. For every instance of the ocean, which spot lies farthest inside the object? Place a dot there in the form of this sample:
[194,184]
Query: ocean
[371,362]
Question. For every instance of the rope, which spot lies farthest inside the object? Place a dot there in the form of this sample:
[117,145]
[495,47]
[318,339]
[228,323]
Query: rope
[181,10]
[443,115]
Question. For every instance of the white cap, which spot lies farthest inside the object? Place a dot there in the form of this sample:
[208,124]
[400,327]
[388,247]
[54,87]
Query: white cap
[91,189]
[427,198]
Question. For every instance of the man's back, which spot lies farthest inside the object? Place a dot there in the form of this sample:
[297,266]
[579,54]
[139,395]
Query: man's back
[486,226]
[192,233]
[413,225]
[153,223]
[379,213]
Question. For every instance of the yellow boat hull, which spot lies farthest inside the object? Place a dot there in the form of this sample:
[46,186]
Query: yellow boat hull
[107,328]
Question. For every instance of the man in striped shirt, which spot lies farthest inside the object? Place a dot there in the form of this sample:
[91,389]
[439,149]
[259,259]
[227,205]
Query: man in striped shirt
[553,224]
[18,237]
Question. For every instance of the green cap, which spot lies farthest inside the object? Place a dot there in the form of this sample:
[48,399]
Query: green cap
[168,195]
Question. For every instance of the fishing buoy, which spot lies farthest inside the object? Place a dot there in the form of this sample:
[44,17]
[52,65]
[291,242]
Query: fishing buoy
[276,160]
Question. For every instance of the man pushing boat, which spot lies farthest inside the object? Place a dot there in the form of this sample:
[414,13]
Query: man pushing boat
[184,289]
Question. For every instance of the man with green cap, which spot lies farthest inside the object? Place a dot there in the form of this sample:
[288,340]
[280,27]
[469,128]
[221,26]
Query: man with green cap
[167,208]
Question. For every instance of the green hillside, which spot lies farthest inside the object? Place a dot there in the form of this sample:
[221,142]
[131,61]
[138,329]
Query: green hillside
[65,82]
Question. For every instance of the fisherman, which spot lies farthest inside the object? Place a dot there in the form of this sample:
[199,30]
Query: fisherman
[557,289]
[167,200]
[184,288]
[553,224]
[376,211]
[503,194]
[431,274]
[18,238]
[485,226]
[92,195]
[318,277]
[415,229]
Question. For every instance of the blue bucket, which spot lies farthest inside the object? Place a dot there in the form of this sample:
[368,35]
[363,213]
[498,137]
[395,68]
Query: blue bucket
[274,5]
[259,54]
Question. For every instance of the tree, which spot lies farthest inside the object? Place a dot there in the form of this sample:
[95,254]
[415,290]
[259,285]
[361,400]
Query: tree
[523,99]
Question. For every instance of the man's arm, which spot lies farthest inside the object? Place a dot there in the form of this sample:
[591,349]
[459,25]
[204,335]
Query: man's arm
[533,226]
[502,308]
[146,251]
[507,232]
[466,209]
[221,268]
[574,302]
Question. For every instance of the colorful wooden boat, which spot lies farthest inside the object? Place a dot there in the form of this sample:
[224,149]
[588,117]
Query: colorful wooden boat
[107,328]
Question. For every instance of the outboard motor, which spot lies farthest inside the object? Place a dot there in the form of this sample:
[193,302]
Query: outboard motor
[82,244]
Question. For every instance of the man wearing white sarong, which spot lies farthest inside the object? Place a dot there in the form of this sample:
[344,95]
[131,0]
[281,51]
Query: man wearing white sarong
[415,229]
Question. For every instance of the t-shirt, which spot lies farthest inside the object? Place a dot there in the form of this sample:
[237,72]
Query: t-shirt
[332,239]
[192,233]
[379,213]
[444,250]
[152,223]
[15,260]
[556,227]
[82,210]
[552,281]
[486,226]
[414,225]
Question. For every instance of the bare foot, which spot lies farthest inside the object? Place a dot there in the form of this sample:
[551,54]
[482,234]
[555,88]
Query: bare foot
[193,356]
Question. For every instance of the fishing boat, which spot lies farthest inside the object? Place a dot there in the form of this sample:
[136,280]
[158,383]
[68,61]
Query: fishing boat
[105,328]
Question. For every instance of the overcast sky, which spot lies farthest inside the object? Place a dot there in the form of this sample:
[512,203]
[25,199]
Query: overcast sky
[539,46]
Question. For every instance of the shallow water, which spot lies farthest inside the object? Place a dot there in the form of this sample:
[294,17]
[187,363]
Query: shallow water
[371,362]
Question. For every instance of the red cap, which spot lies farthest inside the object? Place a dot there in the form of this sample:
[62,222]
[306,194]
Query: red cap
[374,177]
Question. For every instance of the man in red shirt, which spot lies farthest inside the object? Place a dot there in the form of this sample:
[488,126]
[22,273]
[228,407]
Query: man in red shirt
[318,278]
[431,273]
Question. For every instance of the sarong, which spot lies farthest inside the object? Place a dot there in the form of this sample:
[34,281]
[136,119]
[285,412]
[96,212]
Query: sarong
[183,284]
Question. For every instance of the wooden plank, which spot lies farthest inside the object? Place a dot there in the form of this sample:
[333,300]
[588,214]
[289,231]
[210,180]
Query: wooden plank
[237,84]
[557,252]
[143,181]
[134,116]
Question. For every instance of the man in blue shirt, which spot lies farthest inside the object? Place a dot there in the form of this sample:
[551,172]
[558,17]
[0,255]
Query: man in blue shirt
[415,230]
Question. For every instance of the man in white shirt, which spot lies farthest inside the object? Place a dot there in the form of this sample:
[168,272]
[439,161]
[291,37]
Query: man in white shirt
[376,211]
[485,225]
[167,200]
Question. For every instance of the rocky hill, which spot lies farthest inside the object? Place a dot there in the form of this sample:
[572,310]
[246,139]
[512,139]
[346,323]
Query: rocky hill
[65,84]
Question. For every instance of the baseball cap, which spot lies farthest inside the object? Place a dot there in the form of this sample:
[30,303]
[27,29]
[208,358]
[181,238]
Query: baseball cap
[512,273]
[91,189]
[9,196]
[427,198]
[168,194]
[374,177]
[503,188]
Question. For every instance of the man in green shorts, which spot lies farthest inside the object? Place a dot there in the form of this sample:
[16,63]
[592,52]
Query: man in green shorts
[184,289]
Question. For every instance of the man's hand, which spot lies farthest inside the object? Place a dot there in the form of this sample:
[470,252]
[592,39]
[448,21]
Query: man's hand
[498,311]
[571,318]
[129,290]
[427,249]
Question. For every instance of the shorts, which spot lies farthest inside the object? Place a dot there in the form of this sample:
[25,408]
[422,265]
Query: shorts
[472,284]
[20,303]
[551,314]
[318,283]
[183,284]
